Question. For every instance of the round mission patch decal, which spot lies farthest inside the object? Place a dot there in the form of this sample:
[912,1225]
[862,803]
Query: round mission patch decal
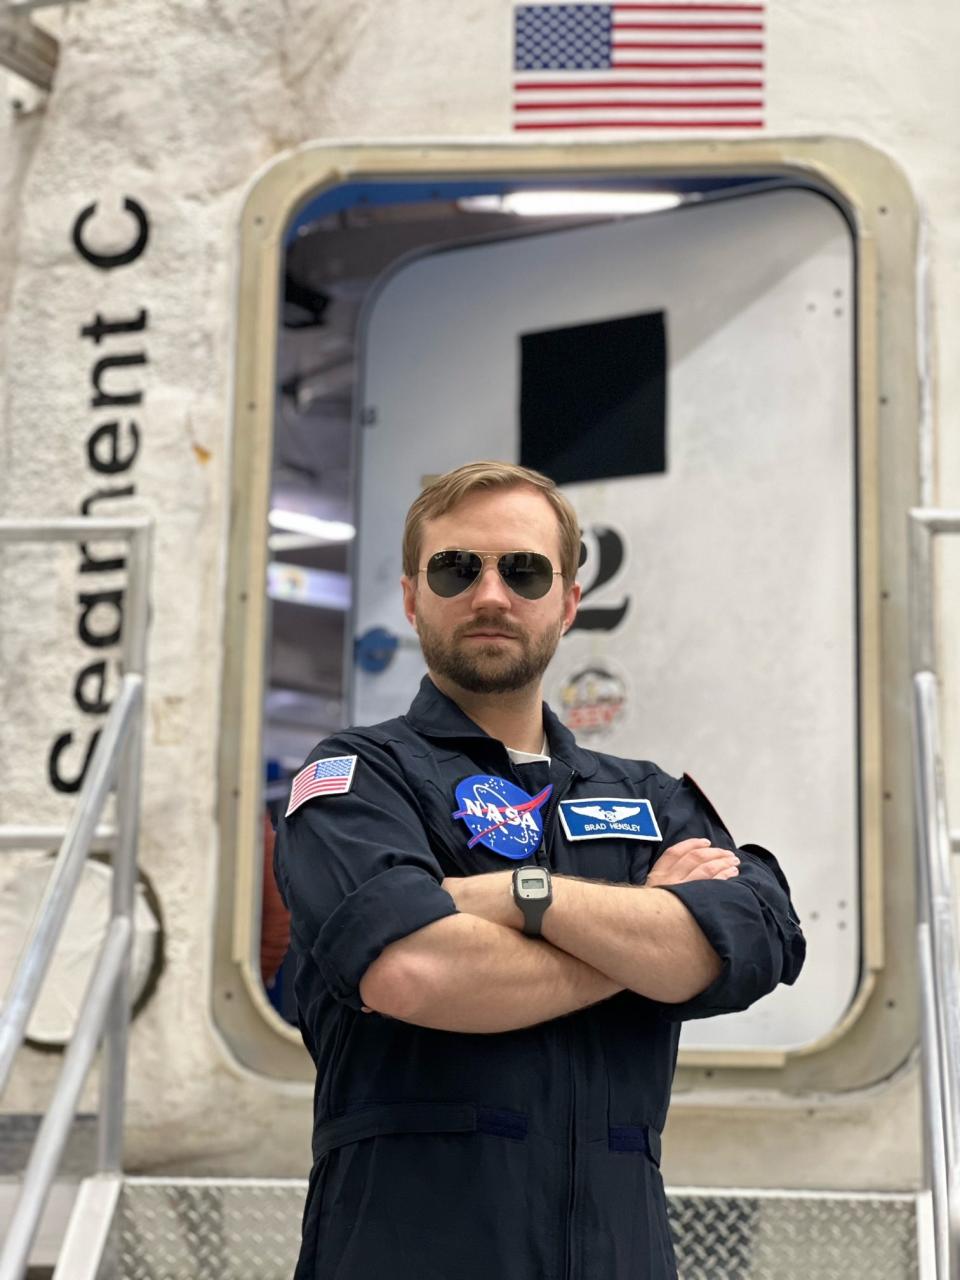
[501,816]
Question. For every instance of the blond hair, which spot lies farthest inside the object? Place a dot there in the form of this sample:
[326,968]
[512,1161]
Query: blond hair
[446,491]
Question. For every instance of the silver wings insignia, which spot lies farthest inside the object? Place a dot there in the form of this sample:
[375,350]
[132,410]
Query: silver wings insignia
[617,812]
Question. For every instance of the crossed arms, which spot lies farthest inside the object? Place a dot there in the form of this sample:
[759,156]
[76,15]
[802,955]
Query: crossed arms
[476,971]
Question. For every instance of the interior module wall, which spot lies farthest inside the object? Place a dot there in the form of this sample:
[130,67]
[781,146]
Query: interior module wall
[175,105]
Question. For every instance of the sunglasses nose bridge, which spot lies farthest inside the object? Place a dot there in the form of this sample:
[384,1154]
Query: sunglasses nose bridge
[490,572]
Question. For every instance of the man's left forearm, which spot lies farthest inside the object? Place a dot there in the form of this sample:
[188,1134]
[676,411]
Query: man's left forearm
[644,938]
[641,937]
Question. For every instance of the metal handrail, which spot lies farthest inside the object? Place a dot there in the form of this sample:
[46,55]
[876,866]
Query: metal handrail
[51,915]
[939,957]
[105,1011]
[941,986]
[55,1128]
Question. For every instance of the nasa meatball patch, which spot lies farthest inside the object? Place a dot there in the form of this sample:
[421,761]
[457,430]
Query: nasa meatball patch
[597,817]
[501,816]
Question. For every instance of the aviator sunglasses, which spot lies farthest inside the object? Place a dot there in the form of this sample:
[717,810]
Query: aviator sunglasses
[526,573]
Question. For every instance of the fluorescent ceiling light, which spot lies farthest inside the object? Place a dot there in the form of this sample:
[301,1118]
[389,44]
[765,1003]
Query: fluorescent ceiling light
[311,526]
[539,204]
[278,543]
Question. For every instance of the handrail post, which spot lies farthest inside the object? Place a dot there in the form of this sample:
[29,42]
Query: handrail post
[938,981]
[113,1067]
[939,957]
[934,1142]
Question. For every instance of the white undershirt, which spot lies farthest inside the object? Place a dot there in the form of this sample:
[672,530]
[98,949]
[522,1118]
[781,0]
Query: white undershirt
[529,757]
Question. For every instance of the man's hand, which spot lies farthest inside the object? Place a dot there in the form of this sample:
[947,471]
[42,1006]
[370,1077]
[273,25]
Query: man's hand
[693,860]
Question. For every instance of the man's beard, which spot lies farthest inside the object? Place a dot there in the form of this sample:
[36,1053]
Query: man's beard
[489,668]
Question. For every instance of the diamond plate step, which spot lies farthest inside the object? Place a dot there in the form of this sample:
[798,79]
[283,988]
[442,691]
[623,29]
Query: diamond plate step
[249,1229]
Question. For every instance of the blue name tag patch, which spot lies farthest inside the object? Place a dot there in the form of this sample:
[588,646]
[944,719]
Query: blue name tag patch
[609,817]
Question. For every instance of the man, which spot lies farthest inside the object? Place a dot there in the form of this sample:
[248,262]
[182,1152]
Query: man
[495,1052]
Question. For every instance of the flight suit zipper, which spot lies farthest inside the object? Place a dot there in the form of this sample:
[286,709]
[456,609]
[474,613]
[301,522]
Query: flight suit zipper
[572,1187]
[550,819]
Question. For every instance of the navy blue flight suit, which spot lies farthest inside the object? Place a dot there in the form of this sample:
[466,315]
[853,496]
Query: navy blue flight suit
[523,1155]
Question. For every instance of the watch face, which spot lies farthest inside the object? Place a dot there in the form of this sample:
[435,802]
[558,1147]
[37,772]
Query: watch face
[532,885]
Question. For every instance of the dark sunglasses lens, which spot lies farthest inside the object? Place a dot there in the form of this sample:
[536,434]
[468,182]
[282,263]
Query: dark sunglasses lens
[450,572]
[528,574]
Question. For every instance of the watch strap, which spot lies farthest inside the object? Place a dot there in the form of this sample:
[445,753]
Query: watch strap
[533,913]
[533,909]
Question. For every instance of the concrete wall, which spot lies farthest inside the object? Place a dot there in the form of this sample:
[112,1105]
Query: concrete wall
[176,104]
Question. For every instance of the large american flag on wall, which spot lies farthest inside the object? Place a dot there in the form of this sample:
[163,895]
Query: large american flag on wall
[638,66]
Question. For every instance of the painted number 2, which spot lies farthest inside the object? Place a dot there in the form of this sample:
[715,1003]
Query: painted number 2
[602,556]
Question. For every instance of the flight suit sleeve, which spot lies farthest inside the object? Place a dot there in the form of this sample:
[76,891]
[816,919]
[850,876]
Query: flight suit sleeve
[356,870]
[749,920]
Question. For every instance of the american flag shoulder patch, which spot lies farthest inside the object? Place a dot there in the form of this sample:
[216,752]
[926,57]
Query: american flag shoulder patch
[330,777]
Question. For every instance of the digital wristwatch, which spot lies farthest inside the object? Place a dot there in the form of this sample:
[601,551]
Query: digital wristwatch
[533,893]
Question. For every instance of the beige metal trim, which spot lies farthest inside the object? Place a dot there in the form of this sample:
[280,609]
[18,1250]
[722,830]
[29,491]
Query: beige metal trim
[27,49]
[876,197]
[871,761]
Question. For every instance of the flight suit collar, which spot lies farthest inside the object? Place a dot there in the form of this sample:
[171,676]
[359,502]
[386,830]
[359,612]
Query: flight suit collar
[435,715]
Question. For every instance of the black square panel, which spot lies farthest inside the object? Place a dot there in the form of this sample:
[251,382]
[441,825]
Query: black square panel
[593,399]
